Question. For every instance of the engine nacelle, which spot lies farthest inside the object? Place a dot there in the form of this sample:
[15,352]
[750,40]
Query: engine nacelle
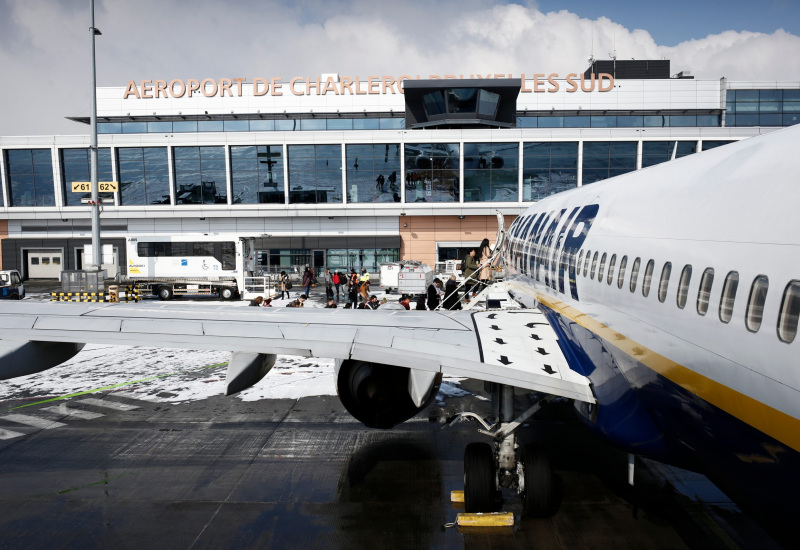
[382,396]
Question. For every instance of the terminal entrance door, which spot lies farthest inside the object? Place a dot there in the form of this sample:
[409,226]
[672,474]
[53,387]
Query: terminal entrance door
[318,262]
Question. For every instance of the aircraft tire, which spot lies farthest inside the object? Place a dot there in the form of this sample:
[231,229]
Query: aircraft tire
[479,478]
[540,497]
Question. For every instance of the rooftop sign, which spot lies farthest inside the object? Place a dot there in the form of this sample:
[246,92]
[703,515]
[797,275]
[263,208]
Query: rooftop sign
[345,85]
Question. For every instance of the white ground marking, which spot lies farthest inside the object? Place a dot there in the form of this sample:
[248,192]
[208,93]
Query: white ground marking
[8,434]
[34,421]
[75,413]
[107,404]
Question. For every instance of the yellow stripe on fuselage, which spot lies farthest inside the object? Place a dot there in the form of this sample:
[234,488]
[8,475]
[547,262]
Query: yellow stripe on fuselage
[761,416]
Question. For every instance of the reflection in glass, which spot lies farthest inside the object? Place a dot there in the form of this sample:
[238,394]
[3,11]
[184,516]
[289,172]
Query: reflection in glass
[462,100]
[432,172]
[656,152]
[30,176]
[606,159]
[143,175]
[548,168]
[257,174]
[76,166]
[491,172]
[200,175]
[315,174]
[373,172]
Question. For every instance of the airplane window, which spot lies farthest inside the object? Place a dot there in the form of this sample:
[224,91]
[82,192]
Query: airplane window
[666,271]
[683,285]
[611,268]
[622,265]
[635,273]
[648,276]
[755,303]
[790,312]
[728,295]
[594,265]
[602,268]
[580,262]
[586,264]
[704,292]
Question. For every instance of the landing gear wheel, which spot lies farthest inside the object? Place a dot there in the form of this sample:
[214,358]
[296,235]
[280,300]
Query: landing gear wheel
[165,293]
[479,478]
[538,484]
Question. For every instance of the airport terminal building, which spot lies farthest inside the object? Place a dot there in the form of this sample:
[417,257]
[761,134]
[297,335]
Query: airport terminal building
[344,171]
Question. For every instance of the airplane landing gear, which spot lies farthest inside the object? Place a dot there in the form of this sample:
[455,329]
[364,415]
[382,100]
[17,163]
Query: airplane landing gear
[490,467]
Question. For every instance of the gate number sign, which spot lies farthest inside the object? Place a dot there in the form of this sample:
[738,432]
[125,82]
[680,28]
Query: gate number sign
[103,186]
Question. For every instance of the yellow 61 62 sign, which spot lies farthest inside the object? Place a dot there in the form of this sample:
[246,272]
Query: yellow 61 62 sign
[102,186]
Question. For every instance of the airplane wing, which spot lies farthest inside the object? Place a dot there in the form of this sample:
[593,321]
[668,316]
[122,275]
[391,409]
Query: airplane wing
[516,347]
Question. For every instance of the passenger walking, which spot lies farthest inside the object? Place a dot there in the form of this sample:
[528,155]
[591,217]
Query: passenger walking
[285,285]
[484,255]
[328,284]
[380,180]
[337,281]
[393,181]
[308,278]
[470,267]
[432,300]
[364,284]
[451,301]
[352,289]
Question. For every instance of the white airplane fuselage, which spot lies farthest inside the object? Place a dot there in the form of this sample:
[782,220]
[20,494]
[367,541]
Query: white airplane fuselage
[679,375]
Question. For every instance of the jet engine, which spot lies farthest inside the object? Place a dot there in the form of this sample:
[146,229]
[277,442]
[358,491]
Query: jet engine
[382,396]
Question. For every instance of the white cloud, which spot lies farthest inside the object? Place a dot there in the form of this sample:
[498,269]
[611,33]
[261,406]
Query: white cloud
[44,46]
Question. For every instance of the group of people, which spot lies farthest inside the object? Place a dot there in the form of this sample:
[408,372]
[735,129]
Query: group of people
[477,275]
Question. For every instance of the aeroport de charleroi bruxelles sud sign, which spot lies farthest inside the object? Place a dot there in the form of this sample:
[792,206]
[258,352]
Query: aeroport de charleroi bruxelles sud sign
[375,85]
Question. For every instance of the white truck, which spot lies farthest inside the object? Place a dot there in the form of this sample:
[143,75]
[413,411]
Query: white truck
[407,277]
[168,266]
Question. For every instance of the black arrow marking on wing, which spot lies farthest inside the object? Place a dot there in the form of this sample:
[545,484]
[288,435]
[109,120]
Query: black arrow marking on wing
[548,369]
[492,316]
[495,327]
[535,337]
[541,351]
[499,340]
[531,325]
[503,359]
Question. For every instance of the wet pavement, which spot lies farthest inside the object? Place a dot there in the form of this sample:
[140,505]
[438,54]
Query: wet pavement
[284,473]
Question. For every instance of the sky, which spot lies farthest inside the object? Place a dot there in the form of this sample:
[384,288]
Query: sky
[45,54]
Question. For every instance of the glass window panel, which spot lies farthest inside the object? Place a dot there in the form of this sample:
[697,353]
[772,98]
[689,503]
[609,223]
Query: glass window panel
[791,95]
[770,120]
[791,107]
[594,265]
[30,175]
[770,95]
[366,124]
[730,120]
[577,122]
[604,121]
[527,122]
[611,264]
[769,107]
[432,172]
[109,128]
[236,125]
[339,124]
[312,124]
[564,149]
[591,176]
[183,126]
[159,127]
[789,313]
[683,286]
[730,108]
[595,149]
[683,120]
[315,174]
[373,172]
[257,174]
[76,166]
[286,125]
[704,292]
[755,303]
[657,121]
[746,108]
[262,125]
[630,121]
[746,120]
[714,144]
[728,296]
[434,103]
[586,264]
[622,265]
[392,123]
[551,122]
[648,278]
[543,176]
[746,95]
[200,175]
[487,104]
[602,268]
[635,273]
[134,127]
[708,120]
[789,120]
[462,100]
[210,126]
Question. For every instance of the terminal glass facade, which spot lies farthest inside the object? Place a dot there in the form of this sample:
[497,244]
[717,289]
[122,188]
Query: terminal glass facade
[773,107]
[76,166]
[606,159]
[143,176]
[548,168]
[29,173]
[373,172]
[491,172]
[432,172]
[200,175]
[618,121]
[257,174]
[257,125]
[656,152]
[315,174]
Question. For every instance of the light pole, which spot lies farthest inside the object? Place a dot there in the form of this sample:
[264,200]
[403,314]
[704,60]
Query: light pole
[96,255]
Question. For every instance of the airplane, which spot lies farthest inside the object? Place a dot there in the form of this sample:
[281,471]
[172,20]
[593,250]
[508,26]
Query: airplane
[663,302]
